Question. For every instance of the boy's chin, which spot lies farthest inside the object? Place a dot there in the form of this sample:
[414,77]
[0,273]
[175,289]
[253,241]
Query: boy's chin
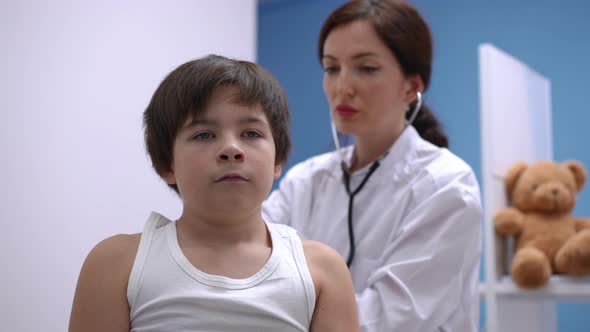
[232,204]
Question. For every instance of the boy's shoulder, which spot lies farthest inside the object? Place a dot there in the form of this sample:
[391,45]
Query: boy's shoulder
[324,263]
[317,252]
[114,255]
[116,247]
[118,252]
[335,307]
[102,285]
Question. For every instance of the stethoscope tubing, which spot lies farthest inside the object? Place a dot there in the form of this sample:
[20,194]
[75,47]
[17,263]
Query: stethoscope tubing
[346,176]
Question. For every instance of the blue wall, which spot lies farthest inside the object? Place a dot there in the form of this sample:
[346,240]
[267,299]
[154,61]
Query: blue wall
[550,36]
[287,33]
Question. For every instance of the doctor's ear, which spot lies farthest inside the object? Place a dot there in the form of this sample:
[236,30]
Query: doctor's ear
[414,84]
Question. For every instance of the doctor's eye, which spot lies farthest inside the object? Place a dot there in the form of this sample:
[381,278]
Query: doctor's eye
[251,134]
[330,69]
[368,69]
[203,135]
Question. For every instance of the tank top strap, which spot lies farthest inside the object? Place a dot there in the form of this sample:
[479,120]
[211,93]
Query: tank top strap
[295,244]
[154,222]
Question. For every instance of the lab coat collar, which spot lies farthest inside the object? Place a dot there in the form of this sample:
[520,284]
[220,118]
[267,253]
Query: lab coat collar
[397,161]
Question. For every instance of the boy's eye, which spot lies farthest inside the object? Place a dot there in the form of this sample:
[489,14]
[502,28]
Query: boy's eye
[252,134]
[204,135]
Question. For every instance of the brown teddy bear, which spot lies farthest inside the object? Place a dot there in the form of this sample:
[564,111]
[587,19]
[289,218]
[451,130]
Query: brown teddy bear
[548,238]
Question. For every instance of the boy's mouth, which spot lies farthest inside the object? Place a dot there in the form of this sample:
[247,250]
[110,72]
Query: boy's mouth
[231,177]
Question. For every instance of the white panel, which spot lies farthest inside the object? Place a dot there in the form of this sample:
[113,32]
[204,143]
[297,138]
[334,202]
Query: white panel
[516,125]
[75,77]
[516,106]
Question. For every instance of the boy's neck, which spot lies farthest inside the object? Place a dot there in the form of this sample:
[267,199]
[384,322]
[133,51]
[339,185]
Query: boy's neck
[221,230]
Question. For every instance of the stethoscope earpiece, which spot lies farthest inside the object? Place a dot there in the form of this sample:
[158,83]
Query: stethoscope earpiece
[416,108]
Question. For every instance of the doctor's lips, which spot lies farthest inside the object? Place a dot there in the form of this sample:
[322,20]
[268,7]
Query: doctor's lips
[230,177]
[345,110]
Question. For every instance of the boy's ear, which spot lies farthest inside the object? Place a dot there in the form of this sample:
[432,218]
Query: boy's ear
[169,177]
[278,171]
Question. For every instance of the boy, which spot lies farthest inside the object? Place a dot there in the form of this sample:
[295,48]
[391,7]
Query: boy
[216,130]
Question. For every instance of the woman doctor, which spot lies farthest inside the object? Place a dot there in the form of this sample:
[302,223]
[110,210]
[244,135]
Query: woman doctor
[397,205]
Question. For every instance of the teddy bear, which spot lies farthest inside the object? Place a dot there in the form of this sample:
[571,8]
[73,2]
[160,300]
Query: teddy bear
[548,239]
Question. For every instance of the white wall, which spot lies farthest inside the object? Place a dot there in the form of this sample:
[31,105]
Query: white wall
[75,77]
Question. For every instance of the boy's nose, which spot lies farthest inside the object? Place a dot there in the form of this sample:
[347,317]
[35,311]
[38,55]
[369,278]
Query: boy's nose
[230,153]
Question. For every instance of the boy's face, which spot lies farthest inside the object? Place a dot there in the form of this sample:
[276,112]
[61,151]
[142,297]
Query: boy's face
[224,161]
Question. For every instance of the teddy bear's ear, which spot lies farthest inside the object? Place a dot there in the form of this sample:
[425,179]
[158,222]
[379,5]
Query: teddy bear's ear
[513,174]
[578,172]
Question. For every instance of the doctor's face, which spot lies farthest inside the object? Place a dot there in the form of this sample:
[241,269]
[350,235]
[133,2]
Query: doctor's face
[363,82]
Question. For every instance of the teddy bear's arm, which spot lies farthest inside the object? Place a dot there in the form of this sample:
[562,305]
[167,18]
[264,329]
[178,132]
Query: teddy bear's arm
[508,221]
[582,223]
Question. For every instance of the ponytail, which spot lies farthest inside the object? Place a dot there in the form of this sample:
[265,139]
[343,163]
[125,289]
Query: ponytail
[430,128]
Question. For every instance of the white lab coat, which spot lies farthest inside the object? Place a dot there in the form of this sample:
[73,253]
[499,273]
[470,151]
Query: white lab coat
[417,224]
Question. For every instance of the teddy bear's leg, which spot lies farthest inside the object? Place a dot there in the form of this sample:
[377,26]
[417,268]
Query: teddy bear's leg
[530,268]
[574,256]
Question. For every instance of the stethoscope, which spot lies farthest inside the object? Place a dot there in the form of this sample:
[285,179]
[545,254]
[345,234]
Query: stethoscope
[372,168]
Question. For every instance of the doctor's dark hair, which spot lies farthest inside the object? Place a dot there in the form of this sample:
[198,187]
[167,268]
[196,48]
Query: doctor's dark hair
[187,90]
[406,34]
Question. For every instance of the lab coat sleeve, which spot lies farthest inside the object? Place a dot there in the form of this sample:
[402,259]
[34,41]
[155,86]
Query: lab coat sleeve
[432,264]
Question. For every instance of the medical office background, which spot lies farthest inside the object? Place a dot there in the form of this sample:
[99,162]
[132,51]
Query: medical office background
[75,76]
[552,37]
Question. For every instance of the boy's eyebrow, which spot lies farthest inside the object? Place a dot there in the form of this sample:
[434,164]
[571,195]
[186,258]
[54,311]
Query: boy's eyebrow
[252,119]
[209,122]
[195,122]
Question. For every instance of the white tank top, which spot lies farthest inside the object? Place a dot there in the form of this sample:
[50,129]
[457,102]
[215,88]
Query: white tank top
[167,293]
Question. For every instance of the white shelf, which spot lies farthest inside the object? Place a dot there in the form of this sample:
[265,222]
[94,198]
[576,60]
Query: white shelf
[559,288]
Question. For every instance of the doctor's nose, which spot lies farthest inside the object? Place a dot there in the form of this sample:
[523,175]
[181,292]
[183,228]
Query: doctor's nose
[345,84]
[229,153]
